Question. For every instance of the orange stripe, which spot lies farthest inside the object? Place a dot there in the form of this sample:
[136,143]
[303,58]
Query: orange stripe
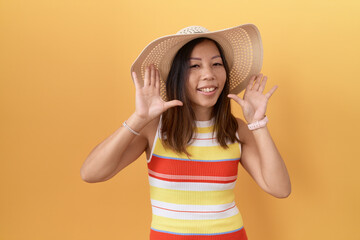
[193,168]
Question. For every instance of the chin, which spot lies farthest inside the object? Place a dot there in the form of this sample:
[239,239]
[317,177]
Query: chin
[205,104]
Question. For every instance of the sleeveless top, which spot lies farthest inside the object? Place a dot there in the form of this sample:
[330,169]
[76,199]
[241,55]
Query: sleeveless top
[192,197]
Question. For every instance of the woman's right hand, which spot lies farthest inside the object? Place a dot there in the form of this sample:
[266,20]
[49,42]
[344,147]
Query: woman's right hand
[123,146]
[149,103]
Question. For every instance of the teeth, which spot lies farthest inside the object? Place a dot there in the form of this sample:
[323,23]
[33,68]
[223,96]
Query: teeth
[207,89]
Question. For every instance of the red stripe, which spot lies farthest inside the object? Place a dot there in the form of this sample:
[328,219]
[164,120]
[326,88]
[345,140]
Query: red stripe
[238,235]
[191,180]
[192,168]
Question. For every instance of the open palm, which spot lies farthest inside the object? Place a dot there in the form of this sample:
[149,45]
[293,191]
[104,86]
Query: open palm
[148,102]
[254,102]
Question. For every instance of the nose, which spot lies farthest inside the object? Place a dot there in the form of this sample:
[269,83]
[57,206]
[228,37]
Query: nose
[208,73]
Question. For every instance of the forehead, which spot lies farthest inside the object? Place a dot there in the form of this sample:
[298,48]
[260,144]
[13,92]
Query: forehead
[205,48]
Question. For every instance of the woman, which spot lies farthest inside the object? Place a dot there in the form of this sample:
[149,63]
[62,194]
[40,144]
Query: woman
[192,141]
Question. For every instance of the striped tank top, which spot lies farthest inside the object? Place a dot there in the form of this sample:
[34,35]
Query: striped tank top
[192,198]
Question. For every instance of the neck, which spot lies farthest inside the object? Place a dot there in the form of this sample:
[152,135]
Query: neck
[203,114]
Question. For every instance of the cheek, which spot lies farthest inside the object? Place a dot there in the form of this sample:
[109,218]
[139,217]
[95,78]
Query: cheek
[222,76]
[189,88]
[191,83]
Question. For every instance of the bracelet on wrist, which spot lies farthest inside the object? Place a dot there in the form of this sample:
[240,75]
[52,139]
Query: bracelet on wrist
[258,124]
[130,129]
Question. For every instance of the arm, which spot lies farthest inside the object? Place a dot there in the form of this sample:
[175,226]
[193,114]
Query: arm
[260,157]
[262,160]
[115,153]
[123,147]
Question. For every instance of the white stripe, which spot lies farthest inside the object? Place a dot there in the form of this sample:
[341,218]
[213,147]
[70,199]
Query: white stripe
[191,186]
[185,207]
[194,216]
[205,140]
[209,123]
[188,177]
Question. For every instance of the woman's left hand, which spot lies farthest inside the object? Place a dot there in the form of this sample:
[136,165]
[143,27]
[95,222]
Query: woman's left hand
[254,102]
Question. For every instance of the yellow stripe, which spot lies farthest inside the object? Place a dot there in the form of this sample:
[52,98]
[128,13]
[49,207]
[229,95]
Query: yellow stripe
[201,153]
[192,197]
[197,226]
[204,129]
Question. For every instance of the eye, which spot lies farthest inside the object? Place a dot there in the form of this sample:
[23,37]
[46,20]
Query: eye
[194,66]
[218,64]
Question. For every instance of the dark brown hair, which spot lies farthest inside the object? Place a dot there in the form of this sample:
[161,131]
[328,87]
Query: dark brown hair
[178,123]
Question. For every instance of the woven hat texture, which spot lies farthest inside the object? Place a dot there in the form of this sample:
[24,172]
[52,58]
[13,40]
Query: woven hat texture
[242,47]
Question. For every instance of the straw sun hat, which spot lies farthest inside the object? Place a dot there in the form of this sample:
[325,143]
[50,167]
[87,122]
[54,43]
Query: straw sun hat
[242,49]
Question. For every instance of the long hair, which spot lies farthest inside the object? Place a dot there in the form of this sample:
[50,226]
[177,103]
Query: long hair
[178,123]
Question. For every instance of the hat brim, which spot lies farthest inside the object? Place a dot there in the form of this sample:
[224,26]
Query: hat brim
[242,47]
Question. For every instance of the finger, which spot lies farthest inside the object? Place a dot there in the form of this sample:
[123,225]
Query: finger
[147,76]
[257,82]
[251,82]
[236,99]
[263,83]
[157,81]
[270,93]
[172,103]
[136,80]
[153,75]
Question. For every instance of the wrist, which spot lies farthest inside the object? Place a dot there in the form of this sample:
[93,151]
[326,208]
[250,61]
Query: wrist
[258,124]
[255,120]
[136,123]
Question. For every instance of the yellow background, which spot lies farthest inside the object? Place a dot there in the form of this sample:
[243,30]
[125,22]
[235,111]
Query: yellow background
[65,86]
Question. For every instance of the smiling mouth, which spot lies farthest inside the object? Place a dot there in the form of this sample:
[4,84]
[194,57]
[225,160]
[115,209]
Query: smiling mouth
[206,90]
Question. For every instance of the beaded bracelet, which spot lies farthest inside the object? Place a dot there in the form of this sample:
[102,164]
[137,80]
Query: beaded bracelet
[134,132]
[258,124]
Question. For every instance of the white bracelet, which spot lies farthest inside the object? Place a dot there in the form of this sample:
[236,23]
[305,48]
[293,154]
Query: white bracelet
[134,132]
[258,124]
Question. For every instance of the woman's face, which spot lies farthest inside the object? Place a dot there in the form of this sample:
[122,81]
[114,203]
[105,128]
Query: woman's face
[206,76]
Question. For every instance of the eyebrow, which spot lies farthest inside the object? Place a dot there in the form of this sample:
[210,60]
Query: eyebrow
[192,58]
